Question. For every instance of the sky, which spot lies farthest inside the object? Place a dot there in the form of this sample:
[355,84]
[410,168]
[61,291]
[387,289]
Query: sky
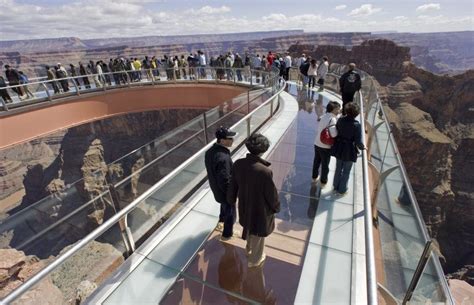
[32,19]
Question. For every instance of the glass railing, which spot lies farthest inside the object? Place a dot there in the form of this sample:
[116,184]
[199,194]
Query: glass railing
[408,270]
[54,89]
[105,247]
[45,227]
[132,216]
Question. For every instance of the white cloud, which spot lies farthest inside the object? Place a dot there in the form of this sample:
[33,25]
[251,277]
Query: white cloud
[340,7]
[125,18]
[400,18]
[213,10]
[428,7]
[364,10]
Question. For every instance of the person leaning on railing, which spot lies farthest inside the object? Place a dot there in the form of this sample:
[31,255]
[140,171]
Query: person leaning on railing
[24,81]
[345,147]
[51,77]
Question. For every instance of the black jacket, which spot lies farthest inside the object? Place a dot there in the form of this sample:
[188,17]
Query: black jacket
[13,76]
[252,183]
[304,68]
[350,82]
[349,138]
[219,167]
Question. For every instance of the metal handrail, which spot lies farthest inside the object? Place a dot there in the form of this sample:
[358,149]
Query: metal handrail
[128,82]
[35,279]
[404,173]
[368,222]
[411,194]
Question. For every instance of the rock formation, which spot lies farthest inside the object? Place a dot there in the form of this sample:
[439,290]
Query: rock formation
[15,268]
[79,276]
[67,169]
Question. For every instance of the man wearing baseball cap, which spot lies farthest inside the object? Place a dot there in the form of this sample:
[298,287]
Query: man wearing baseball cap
[219,165]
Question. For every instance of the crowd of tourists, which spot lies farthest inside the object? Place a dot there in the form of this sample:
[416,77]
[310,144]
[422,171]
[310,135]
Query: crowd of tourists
[120,70]
[250,179]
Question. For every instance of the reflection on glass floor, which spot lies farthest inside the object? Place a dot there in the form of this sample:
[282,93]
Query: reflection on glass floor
[311,257]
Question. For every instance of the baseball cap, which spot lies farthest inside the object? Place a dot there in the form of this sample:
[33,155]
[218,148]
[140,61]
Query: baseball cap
[224,133]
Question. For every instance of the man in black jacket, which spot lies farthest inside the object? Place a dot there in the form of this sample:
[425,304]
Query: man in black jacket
[219,165]
[349,84]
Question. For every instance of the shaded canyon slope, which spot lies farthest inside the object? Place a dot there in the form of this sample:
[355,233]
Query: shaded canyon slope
[44,166]
[432,119]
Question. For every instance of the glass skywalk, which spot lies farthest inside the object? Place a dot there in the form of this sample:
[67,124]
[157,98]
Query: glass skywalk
[316,255]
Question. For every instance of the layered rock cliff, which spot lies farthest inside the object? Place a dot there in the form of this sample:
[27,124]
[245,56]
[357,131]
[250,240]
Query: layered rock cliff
[68,168]
[433,123]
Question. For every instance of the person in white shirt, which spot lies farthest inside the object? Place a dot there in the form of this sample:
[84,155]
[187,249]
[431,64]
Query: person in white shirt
[99,76]
[287,66]
[202,64]
[322,152]
[312,73]
[257,65]
[322,71]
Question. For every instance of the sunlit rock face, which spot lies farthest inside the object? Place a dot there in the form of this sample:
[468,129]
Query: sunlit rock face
[432,119]
[16,268]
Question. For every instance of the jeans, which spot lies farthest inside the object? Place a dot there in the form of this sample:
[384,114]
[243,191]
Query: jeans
[227,216]
[321,158]
[239,75]
[341,176]
[347,97]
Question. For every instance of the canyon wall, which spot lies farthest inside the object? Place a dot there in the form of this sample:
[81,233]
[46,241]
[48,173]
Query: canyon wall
[435,52]
[36,169]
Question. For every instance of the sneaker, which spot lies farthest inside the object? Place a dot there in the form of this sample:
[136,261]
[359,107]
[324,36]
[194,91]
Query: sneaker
[323,184]
[314,180]
[342,194]
[219,227]
[236,233]
[259,263]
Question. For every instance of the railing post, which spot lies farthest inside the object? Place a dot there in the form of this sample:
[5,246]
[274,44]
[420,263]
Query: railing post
[75,86]
[205,127]
[47,91]
[248,127]
[3,103]
[248,101]
[251,80]
[271,107]
[124,229]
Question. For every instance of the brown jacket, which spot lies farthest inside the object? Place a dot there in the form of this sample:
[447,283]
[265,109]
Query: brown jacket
[252,181]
